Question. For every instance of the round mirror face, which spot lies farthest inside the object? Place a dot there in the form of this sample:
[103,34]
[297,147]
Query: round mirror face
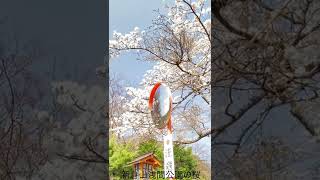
[161,106]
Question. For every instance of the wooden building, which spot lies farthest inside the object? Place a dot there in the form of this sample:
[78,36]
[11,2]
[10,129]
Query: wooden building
[143,165]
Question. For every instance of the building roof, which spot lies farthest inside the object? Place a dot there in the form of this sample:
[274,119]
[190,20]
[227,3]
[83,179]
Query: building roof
[145,157]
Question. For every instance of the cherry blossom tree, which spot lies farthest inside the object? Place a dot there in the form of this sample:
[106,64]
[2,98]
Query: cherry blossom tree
[21,148]
[265,60]
[77,135]
[179,45]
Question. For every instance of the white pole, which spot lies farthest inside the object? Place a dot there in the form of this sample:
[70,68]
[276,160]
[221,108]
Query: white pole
[168,155]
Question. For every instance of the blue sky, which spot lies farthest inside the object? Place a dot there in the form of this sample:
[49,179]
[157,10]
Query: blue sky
[124,15]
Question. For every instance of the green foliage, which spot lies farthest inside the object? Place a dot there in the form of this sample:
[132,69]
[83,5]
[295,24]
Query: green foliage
[120,155]
[184,159]
[151,146]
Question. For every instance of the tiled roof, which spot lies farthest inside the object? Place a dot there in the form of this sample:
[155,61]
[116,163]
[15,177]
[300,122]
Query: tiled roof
[141,157]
